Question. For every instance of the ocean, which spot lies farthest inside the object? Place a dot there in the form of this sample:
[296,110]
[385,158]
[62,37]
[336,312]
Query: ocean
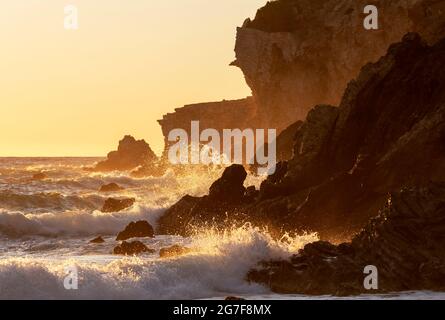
[46,226]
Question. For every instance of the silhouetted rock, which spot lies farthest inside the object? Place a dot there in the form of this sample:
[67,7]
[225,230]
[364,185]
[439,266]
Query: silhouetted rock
[174,251]
[218,208]
[405,242]
[229,188]
[132,248]
[116,205]
[97,240]
[39,176]
[111,187]
[137,229]
[234,298]
[130,154]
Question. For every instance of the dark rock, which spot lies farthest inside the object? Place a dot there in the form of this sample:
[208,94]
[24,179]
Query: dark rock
[296,54]
[111,187]
[39,176]
[174,251]
[130,154]
[97,240]
[405,243]
[229,188]
[137,229]
[131,248]
[116,205]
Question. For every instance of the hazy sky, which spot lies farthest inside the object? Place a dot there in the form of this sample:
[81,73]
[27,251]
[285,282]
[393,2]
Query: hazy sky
[74,93]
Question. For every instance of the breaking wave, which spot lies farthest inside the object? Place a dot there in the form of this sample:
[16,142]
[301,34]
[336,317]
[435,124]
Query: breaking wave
[217,267]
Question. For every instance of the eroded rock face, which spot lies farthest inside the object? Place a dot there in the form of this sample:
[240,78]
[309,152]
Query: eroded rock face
[97,240]
[405,242]
[219,208]
[130,154]
[116,205]
[387,133]
[299,53]
[132,248]
[138,229]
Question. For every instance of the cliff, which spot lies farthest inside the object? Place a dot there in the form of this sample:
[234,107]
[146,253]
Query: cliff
[299,53]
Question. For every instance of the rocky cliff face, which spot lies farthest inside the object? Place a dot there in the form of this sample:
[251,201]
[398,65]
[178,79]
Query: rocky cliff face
[130,154]
[299,53]
[221,115]
[387,133]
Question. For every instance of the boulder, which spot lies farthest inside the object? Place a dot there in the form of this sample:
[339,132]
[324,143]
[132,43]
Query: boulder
[111,187]
[97,240]
[116,205]
[132,248]
[174,251]
[139,229]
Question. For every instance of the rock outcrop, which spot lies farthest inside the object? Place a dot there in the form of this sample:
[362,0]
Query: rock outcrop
[299,53]
[138,229]
[116,205]
[220,207]
[174,251]
[132,248]
[131,153]
[111,187]
[405,243]
[387,133]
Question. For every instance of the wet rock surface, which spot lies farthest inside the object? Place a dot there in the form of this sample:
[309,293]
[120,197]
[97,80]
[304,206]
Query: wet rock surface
[405,242]
[387,133]
[131,248]
[174,251]
[138,229]
[97,240]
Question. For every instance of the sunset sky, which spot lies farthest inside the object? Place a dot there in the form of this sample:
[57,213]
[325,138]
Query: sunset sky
[76,93]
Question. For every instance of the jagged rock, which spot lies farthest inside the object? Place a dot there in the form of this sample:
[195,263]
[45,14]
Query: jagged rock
[174,251]
[218,208]
[137,229]
[299,53]
[39,176]
[130,154]
[405,242]
[116,205]
[111,187]
[229,188]
[97,240]
[132,248]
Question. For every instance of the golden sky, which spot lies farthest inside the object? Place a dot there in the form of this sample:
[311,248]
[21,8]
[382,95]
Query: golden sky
[76,93]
